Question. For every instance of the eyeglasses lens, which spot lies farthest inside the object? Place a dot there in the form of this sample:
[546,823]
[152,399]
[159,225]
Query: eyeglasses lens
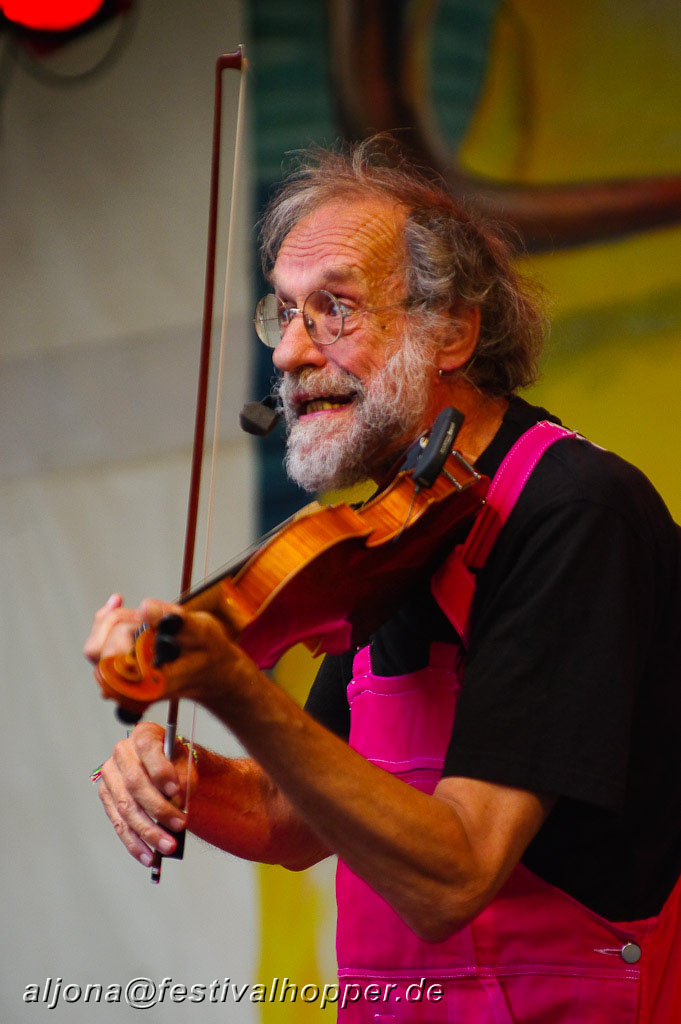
[323,317]
[267,320]
[321,312]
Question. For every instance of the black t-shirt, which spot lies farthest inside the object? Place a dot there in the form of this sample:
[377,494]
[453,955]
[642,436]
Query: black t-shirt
[572,682]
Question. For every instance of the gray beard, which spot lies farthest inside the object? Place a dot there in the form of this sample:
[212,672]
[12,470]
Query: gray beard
[387,412]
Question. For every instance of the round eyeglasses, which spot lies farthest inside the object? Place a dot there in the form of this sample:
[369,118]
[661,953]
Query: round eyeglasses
[324,317]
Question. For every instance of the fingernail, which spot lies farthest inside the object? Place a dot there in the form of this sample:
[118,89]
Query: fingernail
[171,788]
[177,824]
[147,859]
[166,845]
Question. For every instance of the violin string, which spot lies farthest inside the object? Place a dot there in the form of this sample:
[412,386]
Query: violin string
[408,516]
[232,567]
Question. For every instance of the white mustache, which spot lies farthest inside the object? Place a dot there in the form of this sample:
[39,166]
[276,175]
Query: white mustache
[316,384]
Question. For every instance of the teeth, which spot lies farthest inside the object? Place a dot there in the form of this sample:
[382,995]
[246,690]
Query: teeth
[321,403]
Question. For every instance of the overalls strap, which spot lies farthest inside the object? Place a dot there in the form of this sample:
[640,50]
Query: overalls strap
[453,585]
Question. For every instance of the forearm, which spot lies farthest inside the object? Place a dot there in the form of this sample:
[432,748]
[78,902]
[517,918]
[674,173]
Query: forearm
[235,806]
[411,848]
[436,859]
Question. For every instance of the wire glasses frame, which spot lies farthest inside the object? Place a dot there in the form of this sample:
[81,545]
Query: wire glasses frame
[323,316]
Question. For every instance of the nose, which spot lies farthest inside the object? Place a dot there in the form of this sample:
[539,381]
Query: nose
[297,349]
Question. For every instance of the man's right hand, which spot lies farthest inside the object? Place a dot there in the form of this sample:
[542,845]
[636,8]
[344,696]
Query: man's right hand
[137,788]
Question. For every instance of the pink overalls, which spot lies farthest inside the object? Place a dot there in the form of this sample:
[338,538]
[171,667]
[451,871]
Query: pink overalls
[534,955]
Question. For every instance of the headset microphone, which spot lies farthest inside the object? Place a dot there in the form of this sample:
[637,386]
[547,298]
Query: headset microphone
[260,418]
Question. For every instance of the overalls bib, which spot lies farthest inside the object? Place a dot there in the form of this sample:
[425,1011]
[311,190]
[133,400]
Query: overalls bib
[534,955]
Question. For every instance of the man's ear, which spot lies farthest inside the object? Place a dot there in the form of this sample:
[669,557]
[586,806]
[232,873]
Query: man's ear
[461,338]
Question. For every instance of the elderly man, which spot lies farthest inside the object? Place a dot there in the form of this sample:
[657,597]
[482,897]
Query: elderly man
[489,853]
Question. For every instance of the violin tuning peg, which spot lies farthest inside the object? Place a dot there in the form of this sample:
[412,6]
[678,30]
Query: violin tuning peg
[127,717]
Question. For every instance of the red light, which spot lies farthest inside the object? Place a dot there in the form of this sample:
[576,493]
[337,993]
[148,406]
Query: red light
[48,15]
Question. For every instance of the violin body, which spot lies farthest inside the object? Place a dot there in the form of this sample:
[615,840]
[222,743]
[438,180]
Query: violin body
[328,578]
[359,575]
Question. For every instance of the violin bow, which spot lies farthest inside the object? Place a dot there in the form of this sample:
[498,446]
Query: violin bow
[228,61]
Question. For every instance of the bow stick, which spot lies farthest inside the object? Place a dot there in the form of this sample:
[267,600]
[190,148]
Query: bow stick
[235,61]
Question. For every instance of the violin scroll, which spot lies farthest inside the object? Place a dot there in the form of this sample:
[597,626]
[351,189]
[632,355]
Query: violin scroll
[132,679]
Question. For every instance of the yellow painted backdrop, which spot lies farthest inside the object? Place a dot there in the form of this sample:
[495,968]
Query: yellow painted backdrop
[580,92]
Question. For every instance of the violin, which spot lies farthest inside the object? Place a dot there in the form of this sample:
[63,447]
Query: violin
[330,575]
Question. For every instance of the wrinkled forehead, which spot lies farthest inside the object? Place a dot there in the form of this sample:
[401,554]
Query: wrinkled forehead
[343,242]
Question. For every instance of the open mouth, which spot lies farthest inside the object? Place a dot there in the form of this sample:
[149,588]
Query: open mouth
[307,406]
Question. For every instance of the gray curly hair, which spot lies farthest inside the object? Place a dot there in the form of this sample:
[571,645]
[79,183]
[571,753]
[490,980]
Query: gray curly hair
[452,254]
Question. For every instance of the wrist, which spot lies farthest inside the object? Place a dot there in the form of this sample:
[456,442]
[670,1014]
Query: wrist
[185,748]
[186,758]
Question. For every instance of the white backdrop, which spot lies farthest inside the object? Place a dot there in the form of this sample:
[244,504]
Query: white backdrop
[103,212]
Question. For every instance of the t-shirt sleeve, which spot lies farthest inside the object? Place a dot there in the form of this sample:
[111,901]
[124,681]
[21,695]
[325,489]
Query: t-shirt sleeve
[327,700]
[560,631]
